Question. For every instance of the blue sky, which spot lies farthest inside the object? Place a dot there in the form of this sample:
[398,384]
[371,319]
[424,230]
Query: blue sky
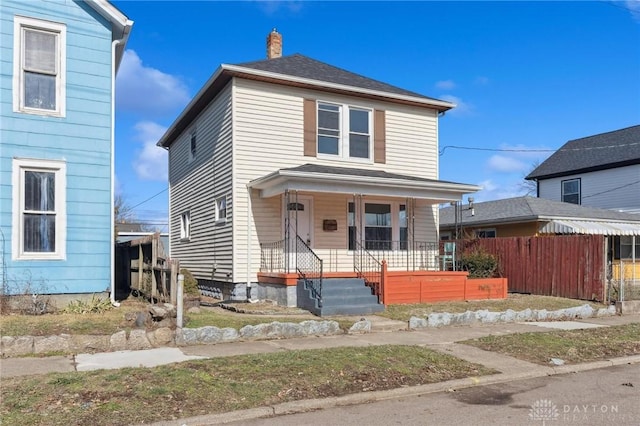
[525,75]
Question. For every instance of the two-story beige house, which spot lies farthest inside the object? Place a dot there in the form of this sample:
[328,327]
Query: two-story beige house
[287,172]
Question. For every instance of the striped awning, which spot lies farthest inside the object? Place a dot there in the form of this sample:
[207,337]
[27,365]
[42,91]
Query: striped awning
[590,227]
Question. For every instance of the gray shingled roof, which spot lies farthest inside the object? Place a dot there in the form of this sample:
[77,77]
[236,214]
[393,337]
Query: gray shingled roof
[599,152]
[298,65]
[526,209]
[316,168]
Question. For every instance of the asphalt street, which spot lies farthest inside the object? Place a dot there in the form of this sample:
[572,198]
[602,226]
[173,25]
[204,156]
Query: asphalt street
[606,396]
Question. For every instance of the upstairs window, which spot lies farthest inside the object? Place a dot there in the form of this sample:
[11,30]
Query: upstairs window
[39,206]
[39,60]
[571,191]
[344,131]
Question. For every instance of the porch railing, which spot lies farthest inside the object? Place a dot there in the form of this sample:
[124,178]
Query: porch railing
[406,255]
[272,257]
[370,269]
[309,267]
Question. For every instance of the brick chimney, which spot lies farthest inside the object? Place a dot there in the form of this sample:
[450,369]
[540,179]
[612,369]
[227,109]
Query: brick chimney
[274,45]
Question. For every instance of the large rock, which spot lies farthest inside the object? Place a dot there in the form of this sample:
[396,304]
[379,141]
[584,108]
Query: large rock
[362,326]
[48,344]
[138,340]
[161,337]
[118,341]
[84,343]
[186,336]
[417,322]
[16,346]
[210,334]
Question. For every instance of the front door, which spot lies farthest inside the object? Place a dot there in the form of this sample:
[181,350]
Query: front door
[299,221]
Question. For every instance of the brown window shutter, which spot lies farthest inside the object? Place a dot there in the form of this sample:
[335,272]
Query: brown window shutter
[310,127]
[379,137]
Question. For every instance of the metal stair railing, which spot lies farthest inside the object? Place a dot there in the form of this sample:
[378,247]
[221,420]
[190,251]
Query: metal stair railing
[309,267]
[369,268]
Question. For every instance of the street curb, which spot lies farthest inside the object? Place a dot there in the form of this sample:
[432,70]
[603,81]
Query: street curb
[306,405]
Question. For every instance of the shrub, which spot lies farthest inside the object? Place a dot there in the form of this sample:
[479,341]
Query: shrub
[479,264]
[190,283]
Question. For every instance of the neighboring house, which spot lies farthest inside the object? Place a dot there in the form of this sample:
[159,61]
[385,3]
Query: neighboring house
[537,217]
[530,216]
[289,160]
[597,171]
[59,60]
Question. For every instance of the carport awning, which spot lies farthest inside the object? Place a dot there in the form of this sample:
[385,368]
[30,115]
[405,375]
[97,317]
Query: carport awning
[590,227]
[328,179]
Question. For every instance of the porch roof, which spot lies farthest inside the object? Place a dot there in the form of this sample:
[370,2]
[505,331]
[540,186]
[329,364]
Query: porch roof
[343,180]
[590,227]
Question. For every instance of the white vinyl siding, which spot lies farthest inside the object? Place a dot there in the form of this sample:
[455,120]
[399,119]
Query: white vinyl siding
[615,189]
[39,209]
[39,67]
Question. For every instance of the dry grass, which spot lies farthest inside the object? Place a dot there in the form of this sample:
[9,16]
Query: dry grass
[573,346]
[517,302]
[144,395]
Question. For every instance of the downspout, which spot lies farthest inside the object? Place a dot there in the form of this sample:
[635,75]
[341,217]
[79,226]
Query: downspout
[249,240]
[114,43]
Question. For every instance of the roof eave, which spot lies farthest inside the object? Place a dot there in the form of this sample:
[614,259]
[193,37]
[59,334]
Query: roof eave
[121,25]
[323,85]
[277,182]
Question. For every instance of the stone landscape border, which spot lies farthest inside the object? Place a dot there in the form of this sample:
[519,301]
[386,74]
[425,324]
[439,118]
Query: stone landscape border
[487,317]
[137,339]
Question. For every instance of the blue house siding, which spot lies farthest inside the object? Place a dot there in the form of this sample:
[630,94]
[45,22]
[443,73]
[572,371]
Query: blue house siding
[82,139]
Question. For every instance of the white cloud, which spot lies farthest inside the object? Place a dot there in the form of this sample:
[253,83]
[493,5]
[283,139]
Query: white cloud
[146,90]
[151,161]
[445,85]
[492,191]
[501,163]
[634,8]
[462,107]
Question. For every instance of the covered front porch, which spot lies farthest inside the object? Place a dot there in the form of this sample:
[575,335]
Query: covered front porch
[338,224]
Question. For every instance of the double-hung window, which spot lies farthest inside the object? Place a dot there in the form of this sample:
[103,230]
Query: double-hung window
[39,209]
[39,67]
[571,191]
[385,226]
[344,131]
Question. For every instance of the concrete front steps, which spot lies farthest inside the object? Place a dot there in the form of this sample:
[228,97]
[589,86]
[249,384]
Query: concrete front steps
[340,296]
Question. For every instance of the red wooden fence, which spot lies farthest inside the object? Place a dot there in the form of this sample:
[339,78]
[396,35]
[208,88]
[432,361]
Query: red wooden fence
[565,266]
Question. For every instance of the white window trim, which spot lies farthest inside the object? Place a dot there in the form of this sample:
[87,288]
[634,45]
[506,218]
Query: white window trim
[579,193]
[20,165]
[219,219]
[395,218]
[343,142]
[19,23]
[185,226]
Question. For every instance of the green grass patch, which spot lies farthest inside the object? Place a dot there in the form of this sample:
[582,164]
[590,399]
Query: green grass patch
[517,302]
[573,346]
[143,395]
